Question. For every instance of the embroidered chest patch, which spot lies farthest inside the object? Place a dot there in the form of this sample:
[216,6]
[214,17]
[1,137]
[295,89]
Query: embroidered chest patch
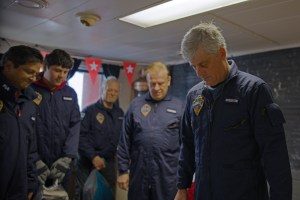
[38,99]
[145,110]
[100,118]
[198,104]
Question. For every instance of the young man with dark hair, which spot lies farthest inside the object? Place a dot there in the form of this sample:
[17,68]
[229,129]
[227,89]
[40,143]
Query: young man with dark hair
[18,69]
[58,120]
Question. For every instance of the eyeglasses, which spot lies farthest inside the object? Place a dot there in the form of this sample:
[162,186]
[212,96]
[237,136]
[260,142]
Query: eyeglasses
[30,73]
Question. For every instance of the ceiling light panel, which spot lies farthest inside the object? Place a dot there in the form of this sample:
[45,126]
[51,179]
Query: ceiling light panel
[173,10]
[32,3]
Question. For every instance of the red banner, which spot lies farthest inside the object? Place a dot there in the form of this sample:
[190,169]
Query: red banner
[93,65]
[44,53]
[129,70]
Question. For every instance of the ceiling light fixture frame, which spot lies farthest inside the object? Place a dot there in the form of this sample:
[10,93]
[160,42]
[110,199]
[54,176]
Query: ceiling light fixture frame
[35,4]
[88,19]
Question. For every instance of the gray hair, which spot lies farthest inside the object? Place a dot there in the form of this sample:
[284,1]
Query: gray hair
[206,36]
[108,79]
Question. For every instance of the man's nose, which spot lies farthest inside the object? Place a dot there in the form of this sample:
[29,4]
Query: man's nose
[61,74]
[156,86]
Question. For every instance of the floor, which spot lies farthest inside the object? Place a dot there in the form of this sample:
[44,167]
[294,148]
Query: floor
[296,184]
[121,195]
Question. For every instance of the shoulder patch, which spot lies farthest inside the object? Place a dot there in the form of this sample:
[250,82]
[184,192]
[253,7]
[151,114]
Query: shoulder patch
[145,110]
[1,105]
[100,118]
[38,99]
[6,87]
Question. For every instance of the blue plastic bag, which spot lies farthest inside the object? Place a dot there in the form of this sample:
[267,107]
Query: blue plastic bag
[96,187]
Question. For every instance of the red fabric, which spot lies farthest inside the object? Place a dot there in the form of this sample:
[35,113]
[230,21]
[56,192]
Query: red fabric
[93,65]
[91,91]
[43,84]
[129,70]
[191,192]
[44,53]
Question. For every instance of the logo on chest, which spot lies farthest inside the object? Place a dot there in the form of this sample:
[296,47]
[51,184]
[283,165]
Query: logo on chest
[145,110]
[100,118]
[198,104]
[38,99]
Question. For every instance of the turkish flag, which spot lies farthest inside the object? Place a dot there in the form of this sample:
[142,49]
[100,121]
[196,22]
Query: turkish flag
[129,70]
[93,65]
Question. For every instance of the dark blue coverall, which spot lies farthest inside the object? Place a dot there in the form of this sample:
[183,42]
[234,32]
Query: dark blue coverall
[17,142]
[234,141]
[149,147]
[99,136]
[58,122]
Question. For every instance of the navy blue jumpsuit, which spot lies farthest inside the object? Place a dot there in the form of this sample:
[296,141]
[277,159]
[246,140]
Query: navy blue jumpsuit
[99,136]
[149,147]
[234,141]
[17,142]
[58,122]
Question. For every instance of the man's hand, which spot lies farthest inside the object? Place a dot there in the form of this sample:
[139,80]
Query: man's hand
[182,194]
[43,171]
[59,168]
[123,181]
[99,163]
[29,195]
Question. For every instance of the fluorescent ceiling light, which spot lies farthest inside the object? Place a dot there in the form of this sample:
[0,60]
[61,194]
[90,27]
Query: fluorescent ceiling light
[175,9]
[32,3]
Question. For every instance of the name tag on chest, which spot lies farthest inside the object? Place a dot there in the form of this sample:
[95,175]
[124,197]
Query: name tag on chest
[67,98]
[171,110]
[232,100]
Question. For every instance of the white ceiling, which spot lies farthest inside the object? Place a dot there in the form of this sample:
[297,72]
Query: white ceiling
[250,27]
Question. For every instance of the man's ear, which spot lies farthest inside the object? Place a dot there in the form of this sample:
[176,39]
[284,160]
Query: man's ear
[223,53]
[169,80]
[8,65]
